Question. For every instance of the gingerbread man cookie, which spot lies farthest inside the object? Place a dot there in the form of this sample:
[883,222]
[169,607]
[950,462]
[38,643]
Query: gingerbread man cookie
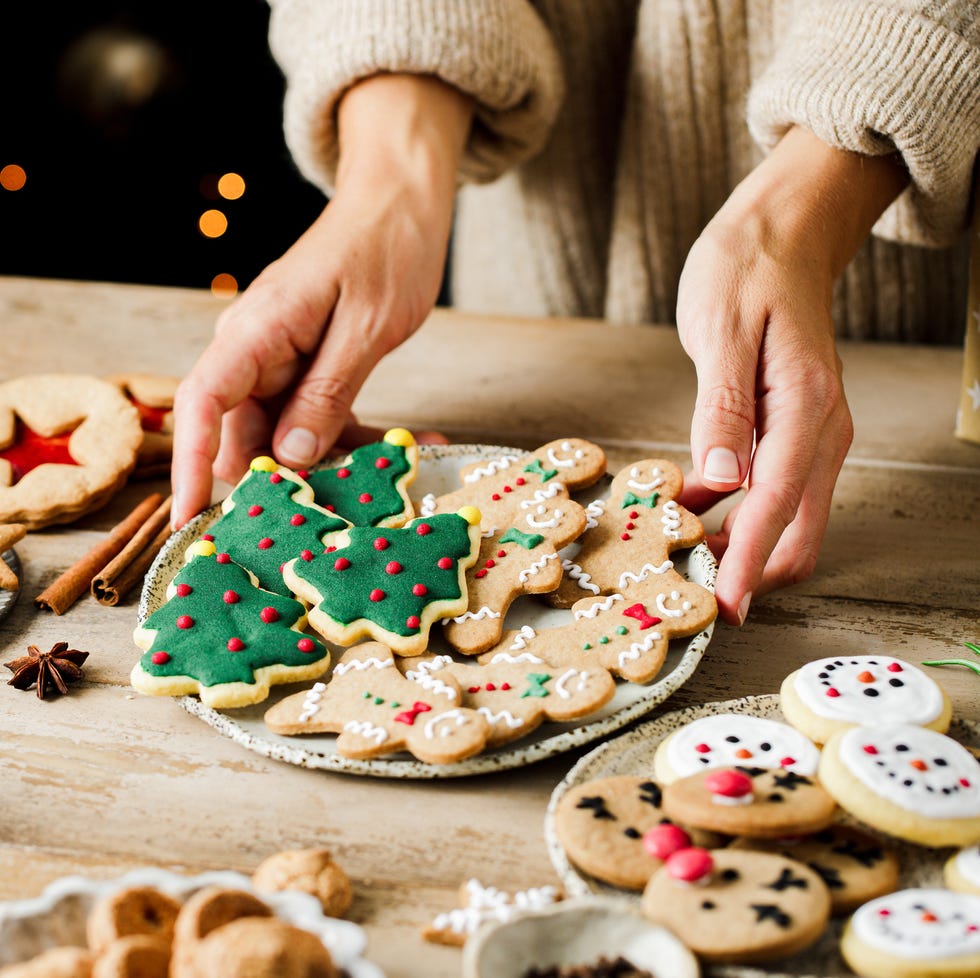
[68,442]
[376,710]
[631,534]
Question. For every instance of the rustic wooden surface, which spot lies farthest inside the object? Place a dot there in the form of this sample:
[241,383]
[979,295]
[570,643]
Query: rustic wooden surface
[105,780]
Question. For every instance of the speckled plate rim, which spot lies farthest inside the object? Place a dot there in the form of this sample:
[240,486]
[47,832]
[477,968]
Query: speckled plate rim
[9,598]
[245,726]
[633,752]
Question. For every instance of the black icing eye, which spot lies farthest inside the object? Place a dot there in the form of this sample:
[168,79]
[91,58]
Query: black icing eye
[730,875]
[939,761]
[901,747]
[632,833]
[765,745]
[907,782]
[895,682]
[732,739]
[870,691]
[707,905]
[775,796]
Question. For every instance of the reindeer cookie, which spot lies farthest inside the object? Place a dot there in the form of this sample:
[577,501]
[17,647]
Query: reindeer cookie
[631,534]
[376,710]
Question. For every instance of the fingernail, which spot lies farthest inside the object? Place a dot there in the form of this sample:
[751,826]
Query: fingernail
[743,608]
[298,446]
[721,465]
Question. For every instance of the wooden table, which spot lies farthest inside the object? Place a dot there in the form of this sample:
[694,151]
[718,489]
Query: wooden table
[105,780]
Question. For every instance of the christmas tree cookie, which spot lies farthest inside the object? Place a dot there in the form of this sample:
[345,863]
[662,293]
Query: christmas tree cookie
[269,518]
[221,636]
[632,533]
[370,486]
[376,710]
[389,584]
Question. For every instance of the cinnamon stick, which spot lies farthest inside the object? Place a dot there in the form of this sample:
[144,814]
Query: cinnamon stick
[65,590]
[114,580]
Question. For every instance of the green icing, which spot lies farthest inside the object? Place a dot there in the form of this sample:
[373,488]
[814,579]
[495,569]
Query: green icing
[536,687]
[537,468]
[238,534]
[201,651]
[631,499]
[342,489]
[345,592]
[527,540]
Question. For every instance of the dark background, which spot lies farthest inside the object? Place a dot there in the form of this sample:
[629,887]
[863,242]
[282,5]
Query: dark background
[123,115]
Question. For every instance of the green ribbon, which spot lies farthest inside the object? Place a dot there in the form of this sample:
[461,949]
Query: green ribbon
[527,540]
[631,499]
[537,467]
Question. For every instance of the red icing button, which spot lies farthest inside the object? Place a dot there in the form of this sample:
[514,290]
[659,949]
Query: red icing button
[382,463]
[501,553]
[341,563]
[393,567]
[508,489]
[728,783]
[787,761]
[481,573]
[703,749]
[495,496]
[377,594]
[422,529]
[185,621]
[505,686]
[235,645]
[413,621]
[665,839]
[275,478]
[269,615]
[380,543]
[365,497]
[832,693]
[297,519]
[208,537]
[444,563]
[894,667]
[690,864]
[306,645]
[302,473]
[491,687]
[491,563]
[183,590]
[343,473]
[255,510]
[624,536]
[265,543]
[231,597]
[160,658]
[870,749]
[419,590]
[306,554]
[223,558]
[634,514]
[631,525]
[520,480]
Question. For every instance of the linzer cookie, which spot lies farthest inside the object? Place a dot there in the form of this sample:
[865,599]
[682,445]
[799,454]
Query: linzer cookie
[153,396]
[221,636]
[67,444]
[832,694]
[908,781]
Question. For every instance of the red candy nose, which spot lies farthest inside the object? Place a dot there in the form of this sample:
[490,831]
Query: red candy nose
[728,783]
[664,840]
[690,864]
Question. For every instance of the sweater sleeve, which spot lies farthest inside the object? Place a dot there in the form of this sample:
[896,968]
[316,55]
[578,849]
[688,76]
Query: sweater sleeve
[873,77]
[497,51]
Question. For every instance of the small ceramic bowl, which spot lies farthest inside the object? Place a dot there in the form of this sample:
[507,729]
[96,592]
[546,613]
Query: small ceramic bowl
[579,931]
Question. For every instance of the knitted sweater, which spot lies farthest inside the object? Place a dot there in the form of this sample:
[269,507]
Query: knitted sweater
[608,132]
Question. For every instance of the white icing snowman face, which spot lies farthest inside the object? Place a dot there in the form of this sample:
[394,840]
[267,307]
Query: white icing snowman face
[731,739]
[921,923]
[869,689]
[915,768]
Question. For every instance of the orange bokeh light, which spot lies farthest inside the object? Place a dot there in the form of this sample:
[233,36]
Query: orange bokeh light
[212,224]
[231,186]
[224,285]
[13,177]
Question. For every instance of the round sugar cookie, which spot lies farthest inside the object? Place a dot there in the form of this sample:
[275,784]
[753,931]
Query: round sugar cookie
[832,694]
[908,781]
[738,907]
[728,739]
[962,870]
[915,933]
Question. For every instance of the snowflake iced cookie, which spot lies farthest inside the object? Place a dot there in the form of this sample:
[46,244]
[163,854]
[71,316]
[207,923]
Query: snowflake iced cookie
[68,442]
[631,534]
[518,555]
[913,933]
[376,710]
[222,637]
[389,583]
[738,907]
[961,871]
[483,904]
[517,692]
[370,486]
[628,634]
[832,694]
[908,781]
[729,739]
[270,518]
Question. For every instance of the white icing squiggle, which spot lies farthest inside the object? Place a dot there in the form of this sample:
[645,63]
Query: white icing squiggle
[598,607]
[536,567]
[361,664]
[311,702]
[424,678]
[491,468]
[525,635]
[671,520]
[593,511]
[514,659]
[485,903]
[427,507]
[484,612]
[580,577]
[666,612]
[504,716]
[445,724]
[638,648]
[367,730]
[646,570]
[543,495]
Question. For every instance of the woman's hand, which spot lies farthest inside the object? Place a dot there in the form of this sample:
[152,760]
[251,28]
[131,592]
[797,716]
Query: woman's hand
[291,353]
[753,314]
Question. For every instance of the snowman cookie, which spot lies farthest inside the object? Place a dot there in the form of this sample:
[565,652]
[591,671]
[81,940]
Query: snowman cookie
[914,933]
[854,865]
[729,739]
[832,694]
[962,870]
[737,907]
[908,781]
[602,826]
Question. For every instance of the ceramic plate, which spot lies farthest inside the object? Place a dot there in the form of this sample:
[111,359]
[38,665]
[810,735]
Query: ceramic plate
[439,473]
[9,598]
[632,754]
[57,917]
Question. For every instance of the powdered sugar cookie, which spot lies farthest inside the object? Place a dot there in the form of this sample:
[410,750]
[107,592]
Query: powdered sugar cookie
[67,444]
[914,933]
[832,694]
[631,534]
[730,739]
[908,781]
[153,397]
[376,710]
[390,584]
[220,636]
[962,870]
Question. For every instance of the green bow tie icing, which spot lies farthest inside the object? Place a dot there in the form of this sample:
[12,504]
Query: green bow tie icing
[526,540]
[369,487]
[268,519]
[536,681]
[537,468]
[631,499]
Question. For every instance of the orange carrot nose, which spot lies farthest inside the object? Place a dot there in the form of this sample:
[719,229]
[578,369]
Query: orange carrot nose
[919,765]
[929,918]
[866,677]
[743,753]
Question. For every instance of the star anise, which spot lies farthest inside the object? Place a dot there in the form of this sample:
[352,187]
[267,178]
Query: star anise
[45,669]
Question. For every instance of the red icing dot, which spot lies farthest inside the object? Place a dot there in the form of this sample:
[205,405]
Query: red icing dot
[964,782]
[275,478]
[208,537]
[330,508]
[472,689]
[380,543]
[297,519]
[491,687]
[690,864]
[894,667]
[382,463]
[419,590]
[341,563]
[377,594]
[302,473]
[480,573]
[223,558]
[269,615]
[306,554]
[624,536]
[508,489]
[505,686]
[330,549]
[702,748]
[491,563]
[183,590]
[306,645]
[884,912]
[235,645]
[422,529]
[728,783]
[365,497]
[665,839]
[343,473]
[265,543]
[631,525]
[413,621]
[870,749]
[255,510]
[787,761]
[495,496]
[231,597]
[832,693]
[160,658]
[185,621]
[501,553]
[633,514]
[520,480]
[393,567]
[444,563]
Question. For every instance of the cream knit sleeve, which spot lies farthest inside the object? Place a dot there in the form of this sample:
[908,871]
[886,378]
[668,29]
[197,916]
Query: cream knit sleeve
[875,76]
[498,51]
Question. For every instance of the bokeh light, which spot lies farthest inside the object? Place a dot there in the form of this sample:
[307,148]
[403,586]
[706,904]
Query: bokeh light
[13,177]
[231,186]
[224,285]
[212,223]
